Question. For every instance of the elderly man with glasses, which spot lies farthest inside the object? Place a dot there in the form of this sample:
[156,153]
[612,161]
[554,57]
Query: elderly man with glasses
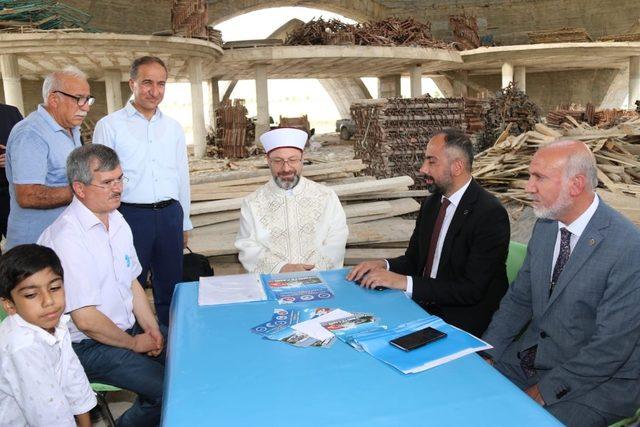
[37,150]
[290,223]
[113,329]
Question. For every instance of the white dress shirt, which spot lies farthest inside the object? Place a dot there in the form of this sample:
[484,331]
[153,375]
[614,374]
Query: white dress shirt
[99,264]
[153,156]
[576,228]
[448,216]
[42,382]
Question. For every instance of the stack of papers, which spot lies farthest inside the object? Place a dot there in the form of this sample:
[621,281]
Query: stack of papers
[230,289]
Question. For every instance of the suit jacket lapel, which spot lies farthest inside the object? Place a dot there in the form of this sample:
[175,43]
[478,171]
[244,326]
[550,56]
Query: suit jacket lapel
[586,245]
[543,275]
[463,211]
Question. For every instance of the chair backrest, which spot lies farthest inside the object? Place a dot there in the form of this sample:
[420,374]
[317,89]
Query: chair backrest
[3,314]
[517,252]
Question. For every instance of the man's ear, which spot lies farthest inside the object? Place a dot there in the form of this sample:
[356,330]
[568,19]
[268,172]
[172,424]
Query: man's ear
[8,306]
[577,184]
[78,188]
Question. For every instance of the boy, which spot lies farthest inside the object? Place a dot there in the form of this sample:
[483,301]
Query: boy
[41,380]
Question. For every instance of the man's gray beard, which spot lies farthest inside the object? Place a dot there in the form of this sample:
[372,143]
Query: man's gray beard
[554,211]
[287,185]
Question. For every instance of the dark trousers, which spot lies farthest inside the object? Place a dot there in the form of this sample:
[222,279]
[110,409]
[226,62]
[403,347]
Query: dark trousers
[158,239]
[139,373]
[4,208]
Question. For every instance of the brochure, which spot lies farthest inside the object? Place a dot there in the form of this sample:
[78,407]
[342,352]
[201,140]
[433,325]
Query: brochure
[230,289]
[289,288]
[348,328]
[283,318]
[456,344]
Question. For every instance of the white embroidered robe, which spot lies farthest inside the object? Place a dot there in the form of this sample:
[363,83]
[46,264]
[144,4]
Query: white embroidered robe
[304,225]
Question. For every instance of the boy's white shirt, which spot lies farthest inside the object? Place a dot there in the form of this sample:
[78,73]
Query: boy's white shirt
[42,382]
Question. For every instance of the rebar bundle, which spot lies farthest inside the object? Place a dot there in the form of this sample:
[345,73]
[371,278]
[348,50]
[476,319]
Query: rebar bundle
[465,31]
[232,122]
[387,32]
[35,15]
[392,134]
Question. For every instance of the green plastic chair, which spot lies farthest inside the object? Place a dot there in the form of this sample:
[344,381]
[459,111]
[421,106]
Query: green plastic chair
[3,314]
[101,395]
[517,252]
[627,421]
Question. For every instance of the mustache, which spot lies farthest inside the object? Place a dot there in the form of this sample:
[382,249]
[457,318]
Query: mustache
[81,113]
[115,195]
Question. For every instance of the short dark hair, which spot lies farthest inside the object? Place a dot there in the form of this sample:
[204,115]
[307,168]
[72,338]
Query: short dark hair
[144,60]
[458,140]
[24,261]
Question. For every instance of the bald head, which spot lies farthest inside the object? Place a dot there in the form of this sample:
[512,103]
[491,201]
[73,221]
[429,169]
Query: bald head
[562,181]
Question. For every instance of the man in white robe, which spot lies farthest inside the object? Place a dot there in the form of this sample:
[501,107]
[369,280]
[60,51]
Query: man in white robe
[290,223]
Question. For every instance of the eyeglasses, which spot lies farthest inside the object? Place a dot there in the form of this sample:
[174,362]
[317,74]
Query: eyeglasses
[81,100]
[111,183]
[293,162]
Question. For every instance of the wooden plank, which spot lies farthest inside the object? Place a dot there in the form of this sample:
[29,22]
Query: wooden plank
[355,256]
[399,207]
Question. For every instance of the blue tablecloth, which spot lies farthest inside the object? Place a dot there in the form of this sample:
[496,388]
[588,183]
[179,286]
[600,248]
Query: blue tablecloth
[219,373]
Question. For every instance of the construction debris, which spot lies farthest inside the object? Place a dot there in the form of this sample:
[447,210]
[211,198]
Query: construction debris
[189,18]
[561,35]
[301,123]
[503,168]
[510,112]
[387,32]
[392,134]
[465,31]
[41,15]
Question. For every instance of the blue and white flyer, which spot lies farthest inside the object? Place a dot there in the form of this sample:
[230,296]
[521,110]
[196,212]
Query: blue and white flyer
[289,288]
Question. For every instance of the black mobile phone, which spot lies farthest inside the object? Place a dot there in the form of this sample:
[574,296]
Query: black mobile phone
[417,339]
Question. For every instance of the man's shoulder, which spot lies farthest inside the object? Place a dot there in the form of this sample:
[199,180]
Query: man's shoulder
[9,110]
[617,224]
[65,228]
[485,198]
[112,118]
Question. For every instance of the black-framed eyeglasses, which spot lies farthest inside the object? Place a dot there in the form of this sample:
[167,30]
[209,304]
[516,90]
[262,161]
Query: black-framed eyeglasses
[111,183]
[81,100]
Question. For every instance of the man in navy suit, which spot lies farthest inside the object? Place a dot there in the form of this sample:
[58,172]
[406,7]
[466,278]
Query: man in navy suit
[568,329]
[454,266]
[9,116]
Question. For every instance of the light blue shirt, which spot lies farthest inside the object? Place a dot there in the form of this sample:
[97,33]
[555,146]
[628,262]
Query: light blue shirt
[153,156]
[37,152]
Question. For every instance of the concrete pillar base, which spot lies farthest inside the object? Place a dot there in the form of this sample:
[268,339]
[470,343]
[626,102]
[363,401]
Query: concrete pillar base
[415,76]
[112,82]
[634,81]
[197,108]
[262,99]
[507,74]
[389,86]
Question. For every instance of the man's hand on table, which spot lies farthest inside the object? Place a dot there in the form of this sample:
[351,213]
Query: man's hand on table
[384,278]
[3,156]
[534,393]
[362,269]
[288,268]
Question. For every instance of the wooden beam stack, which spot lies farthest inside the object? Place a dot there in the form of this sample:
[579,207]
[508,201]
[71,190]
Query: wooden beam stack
[374,209]
[392,134]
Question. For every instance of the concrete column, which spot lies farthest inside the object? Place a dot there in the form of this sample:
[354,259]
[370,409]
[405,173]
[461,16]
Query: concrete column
[215,101]
[262,99]
[197,108]
[444,85]
[389,86]
[520,77]
[507,74]
[112,80]
[11,81]
[460,84]
[634,81]
[415,76]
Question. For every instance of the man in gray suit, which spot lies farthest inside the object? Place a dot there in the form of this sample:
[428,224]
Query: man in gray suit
[577,297]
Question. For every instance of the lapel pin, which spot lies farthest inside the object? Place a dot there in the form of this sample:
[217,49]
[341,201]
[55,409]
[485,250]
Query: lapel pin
[466,211]
[592,242]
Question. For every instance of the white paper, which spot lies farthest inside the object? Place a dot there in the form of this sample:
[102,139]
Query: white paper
[314,328]
[230,289]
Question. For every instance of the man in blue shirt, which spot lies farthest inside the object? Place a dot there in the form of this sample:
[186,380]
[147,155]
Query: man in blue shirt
[156,200]
[37,151]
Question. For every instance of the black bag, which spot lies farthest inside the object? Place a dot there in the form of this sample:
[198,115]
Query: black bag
[195,266]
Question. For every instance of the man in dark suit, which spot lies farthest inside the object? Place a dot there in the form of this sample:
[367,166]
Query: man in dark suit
[9,116]
[577,296]
[454,266]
